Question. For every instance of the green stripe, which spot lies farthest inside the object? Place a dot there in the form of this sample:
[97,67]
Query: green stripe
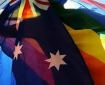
[77,19]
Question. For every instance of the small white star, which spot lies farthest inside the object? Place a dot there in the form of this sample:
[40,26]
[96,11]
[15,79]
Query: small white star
[56,60]
[17,51]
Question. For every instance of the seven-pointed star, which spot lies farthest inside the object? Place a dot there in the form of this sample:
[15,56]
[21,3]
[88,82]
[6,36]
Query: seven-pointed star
[17,51]
[56,60]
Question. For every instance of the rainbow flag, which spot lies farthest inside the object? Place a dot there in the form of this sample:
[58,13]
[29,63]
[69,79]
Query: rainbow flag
[50,45]
[89,35]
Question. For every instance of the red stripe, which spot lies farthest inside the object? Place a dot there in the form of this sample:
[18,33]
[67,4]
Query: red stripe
[35,59]
[102,6]
[96,68]
[42,2]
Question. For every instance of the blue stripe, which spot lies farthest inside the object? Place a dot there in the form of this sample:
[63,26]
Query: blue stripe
[5,69]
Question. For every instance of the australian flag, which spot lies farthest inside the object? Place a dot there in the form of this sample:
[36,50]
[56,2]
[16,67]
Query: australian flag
[42,50]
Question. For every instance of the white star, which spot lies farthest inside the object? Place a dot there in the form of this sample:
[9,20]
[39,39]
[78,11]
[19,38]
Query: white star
[56,60]
[17,51]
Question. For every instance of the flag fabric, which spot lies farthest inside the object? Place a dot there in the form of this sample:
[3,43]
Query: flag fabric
[3,3]
[89,35]
[5,70]
[94,2]
[82,4]
[49,55]
[94,5]
[51,45]
[90,20]
[6,74]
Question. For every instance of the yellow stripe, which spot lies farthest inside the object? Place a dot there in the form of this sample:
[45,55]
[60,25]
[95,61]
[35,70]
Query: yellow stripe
[15,13]
[88,41]
[102,37]
[21,8]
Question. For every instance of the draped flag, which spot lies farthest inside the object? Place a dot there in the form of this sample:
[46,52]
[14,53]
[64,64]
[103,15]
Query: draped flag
[5,69]
[95,6]
[6,76]
[86,4]
[89,35]
[44,53]
[94,2]
[3,3]
[98,7]
[50,45]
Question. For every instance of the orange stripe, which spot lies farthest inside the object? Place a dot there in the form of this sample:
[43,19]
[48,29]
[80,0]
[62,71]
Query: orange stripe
[27,12]
[96,67]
